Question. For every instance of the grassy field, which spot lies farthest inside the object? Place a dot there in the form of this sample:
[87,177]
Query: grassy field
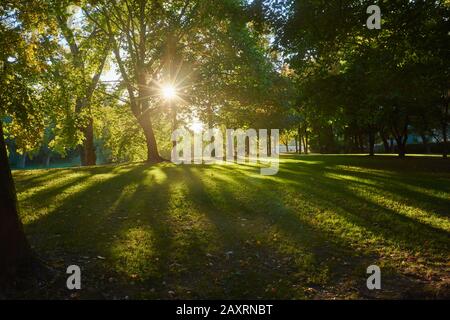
[172,232]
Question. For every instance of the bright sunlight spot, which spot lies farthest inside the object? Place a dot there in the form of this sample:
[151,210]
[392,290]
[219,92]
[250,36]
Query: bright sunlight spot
[169,92]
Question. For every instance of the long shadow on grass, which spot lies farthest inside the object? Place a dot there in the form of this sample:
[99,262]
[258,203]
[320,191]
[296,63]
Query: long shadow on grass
[149,233]
[285,266]
[95,227]
[421,172]
[396,186]
[27,179]
[333,194]
[385,163]
[230,234]
[326,194]
[83,213]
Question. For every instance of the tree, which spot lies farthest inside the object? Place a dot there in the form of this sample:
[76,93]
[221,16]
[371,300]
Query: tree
[14,248]
[20,68]
[89,48]
[140,33]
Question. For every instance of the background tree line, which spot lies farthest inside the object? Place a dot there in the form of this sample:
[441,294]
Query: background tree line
[357,87]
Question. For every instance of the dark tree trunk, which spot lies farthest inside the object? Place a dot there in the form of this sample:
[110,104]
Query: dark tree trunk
[296,144]
[90,158]
[306,151]
[152,147]
[173,110]
[139,103]
[300,140]
[15,253]
[141,111]
[385,138]
[87,150]
[444,128]
[401,144]
[357,143]
[247,147]
[211,126]
[300,145]
[387,147]
[401,137]
[391,145]
[361,143]
[425,143]
[444,147]
[401,149]
[371,141]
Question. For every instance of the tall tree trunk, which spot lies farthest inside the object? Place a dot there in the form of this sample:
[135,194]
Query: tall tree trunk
[401,137]
[391,145]
[144,119]
[300,140]
[361,142]
[401,149]
[141,110]
[445,126]
[386,146]
[385,138]
[173,110]
[445,141]
[211,125]
[306,151]
[300,145]
[357,143]
[87,149]
[139,103]
[150,140]
[296,144]
[247,147]
[401,144]
[425,143]
[90,157]
[15,252]
[371,142]
[143,103]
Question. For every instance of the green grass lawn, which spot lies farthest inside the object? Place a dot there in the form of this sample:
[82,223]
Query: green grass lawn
[172,232]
